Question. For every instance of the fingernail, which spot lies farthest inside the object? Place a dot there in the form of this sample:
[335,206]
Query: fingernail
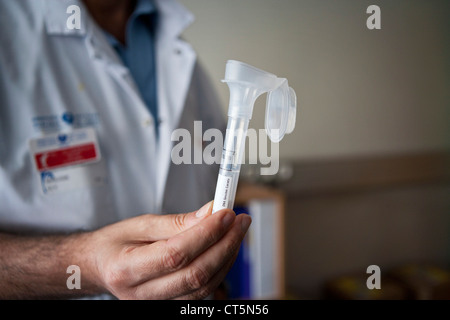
[245,223]
[203,211]
[228,218]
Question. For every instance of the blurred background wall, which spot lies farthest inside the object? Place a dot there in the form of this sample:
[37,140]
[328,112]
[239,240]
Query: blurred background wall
[370,150]
[360,91]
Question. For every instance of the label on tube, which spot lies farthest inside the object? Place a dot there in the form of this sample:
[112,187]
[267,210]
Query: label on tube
[223,192]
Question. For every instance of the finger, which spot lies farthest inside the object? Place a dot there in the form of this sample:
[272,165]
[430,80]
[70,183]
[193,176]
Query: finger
[151,227]
[212,285]
[244,221]
[166,256]
[202,270]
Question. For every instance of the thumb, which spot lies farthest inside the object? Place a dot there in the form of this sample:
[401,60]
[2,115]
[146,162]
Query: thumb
[181,222]
[153,227]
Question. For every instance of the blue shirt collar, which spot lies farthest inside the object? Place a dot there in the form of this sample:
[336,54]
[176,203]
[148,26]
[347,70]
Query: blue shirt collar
[143,7]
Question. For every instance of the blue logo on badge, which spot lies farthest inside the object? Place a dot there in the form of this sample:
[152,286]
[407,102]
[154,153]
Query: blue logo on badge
[68,117]
[62,138]
[46,175]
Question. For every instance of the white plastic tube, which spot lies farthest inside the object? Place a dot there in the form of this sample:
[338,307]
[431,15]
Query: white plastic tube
[246,84]
[230,165]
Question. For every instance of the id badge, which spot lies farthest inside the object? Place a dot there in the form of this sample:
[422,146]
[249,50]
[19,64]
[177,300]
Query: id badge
[66,161]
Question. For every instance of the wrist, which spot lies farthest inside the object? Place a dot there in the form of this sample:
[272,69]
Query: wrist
[83,253]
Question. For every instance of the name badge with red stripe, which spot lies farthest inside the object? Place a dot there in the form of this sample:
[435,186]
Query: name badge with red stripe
[61,159]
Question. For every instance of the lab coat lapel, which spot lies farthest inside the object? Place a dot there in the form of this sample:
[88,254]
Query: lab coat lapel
[100,50]
[175,61]
[57,12]
[56,24]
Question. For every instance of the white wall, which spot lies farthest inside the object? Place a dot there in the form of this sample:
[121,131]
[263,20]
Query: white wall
[360,92]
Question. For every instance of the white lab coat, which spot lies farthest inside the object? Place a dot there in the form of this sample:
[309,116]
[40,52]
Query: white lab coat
[48,70]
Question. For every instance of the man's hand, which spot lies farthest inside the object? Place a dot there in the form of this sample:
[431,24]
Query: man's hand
[180,256]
